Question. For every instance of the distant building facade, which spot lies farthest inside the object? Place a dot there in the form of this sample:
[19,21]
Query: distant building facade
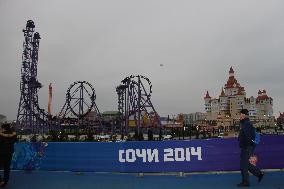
[111,115]
[2,118]
[225,108]
[280,121]
[193,118]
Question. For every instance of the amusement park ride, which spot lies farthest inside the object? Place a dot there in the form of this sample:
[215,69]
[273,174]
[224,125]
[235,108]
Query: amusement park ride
[80,101]
[134,104]
[30,115]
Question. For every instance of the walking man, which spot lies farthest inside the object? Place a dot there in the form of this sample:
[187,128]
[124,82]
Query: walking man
[246,138]
[7,140]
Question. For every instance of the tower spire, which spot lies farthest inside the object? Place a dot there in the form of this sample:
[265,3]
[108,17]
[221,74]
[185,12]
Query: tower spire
[231,72]
[222,92]
[207,95]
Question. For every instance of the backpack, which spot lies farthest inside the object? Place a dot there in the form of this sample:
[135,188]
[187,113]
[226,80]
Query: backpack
[257,137]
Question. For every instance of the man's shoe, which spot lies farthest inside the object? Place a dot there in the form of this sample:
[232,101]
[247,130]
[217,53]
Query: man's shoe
[243,184]
[260,177]
[3,184]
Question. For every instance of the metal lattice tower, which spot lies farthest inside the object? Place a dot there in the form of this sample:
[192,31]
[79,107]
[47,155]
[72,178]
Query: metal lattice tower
[30,115]
[134,103]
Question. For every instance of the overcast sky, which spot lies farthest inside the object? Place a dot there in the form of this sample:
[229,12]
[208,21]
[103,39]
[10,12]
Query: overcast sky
[104,41]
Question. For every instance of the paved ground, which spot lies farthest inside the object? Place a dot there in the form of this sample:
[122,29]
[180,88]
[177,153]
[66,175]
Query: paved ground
[72,180]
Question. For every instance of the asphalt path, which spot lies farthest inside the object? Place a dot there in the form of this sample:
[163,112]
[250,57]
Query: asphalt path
[89,180]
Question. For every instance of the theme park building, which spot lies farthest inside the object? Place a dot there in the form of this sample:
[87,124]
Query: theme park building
[224,110]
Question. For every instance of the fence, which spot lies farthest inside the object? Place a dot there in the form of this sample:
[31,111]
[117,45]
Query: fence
[145,156]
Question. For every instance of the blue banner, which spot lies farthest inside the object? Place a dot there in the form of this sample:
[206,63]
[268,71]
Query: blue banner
[146,156]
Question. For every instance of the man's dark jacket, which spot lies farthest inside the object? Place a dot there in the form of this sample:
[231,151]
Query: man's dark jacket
[6,147]
[246,134]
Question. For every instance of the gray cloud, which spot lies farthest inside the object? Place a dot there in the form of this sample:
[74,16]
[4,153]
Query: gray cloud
[104,41]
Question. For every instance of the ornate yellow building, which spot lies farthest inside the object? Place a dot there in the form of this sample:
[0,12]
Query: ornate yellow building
[225,109]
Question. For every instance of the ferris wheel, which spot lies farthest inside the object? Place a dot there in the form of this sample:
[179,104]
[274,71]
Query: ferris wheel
[80,100]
